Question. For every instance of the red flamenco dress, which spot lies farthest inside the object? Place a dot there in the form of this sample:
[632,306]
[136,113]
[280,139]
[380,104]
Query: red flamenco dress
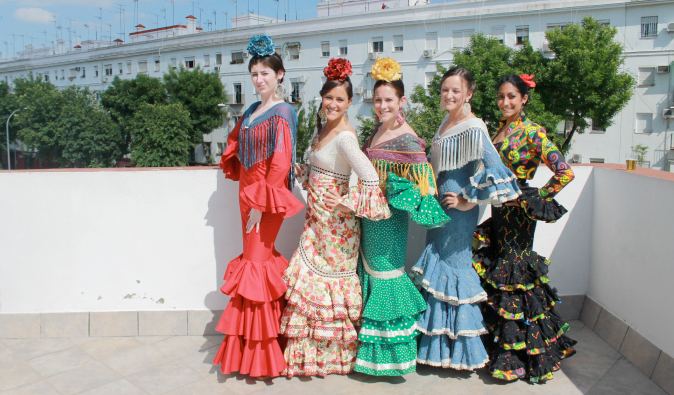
[251,320]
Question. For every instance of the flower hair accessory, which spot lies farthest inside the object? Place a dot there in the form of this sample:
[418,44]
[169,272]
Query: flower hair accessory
[261,45]
[338,69]
[528,79]
[386,69]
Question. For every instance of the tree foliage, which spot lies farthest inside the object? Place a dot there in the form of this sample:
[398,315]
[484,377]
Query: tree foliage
[7,106]
[161,135]
[306,123]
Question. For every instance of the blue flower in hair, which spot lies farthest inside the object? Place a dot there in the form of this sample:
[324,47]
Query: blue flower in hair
[261,45]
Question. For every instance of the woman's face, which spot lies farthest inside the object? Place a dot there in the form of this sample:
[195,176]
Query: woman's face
[264,78]
[386,103]
[335,103]
[510,101]
[454,93]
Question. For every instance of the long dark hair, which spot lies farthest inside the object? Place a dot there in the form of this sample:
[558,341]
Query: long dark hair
[518,83]
[273,61]
[327,87]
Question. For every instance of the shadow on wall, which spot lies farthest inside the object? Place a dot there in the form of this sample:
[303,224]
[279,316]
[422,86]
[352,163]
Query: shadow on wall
[225,219]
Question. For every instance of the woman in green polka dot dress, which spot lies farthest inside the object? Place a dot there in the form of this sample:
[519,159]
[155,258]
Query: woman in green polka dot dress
[391,303]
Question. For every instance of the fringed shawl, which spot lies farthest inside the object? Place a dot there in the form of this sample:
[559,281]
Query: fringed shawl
[459,145]
[404,156]
[258,140]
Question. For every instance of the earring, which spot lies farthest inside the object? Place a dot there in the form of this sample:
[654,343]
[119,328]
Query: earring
[466,108]
[280,90]
[346,116]
[376,118]
[322,116]
[400,117]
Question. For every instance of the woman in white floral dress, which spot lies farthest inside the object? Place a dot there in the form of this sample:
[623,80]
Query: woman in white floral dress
[324,294]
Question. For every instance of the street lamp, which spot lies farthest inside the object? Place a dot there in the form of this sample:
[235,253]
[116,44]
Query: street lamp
[9,161]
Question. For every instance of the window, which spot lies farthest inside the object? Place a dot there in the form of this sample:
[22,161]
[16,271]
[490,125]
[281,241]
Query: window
[432,41]
[596,160]
[521,32]
[294,91]
[157,65]
[553,26]
[429,79]
[174,62]
[63,73]
[119,67]
[108,69]
[142,66]
[128,67]
[498,32]
[95,71]
[604,22]
[568,125]
[237,57]
[46,76]
[462,37]
[646,76]
[220,148]
[238,93]
[397,43]
[189,62]
[649,26]
[218,59]
[644,122]
[377,44]
[325,48]
[343,49]
[207,60]
[294,52]
[84,72]
[597,129]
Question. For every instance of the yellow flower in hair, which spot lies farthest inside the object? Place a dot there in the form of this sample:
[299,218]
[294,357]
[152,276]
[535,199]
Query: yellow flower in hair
[386,69]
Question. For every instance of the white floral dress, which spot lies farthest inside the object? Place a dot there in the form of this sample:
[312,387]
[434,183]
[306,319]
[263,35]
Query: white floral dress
[324,294]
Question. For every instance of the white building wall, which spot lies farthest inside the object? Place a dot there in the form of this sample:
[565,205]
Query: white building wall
[412,23]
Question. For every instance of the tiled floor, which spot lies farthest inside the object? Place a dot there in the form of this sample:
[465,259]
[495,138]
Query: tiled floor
[182,365]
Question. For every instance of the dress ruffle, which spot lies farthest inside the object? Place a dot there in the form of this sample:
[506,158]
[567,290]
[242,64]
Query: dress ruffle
[367,202]
[518,270]
[398,294]
[541,209]
[311,357]
[254,358]
[399,357]
[302,174]
[256,281]
[229,163]
[268,199]
[295,324]
[446,283]
[460,353]
[442,318]
[405,195]
[493,185]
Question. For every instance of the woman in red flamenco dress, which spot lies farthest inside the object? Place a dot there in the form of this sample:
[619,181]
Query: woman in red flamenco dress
[260,155]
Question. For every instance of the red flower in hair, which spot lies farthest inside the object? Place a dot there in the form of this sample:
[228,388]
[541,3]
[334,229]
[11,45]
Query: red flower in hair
[338,69]
[528,79]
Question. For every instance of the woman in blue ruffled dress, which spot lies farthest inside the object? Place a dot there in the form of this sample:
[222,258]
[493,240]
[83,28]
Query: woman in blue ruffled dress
[469,172]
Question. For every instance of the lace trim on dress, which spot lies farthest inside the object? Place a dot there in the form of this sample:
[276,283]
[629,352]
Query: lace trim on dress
[339,176]
[447,363]
[382,275]
[322,273]
[385,366]
[404,332]
[452,335]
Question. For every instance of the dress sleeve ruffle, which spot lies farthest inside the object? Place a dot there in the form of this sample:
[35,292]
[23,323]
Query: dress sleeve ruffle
[367,201]
[229,163]
[425,210]
[302,174]
[538,208]
[481,236]
[493,185]
[269,199]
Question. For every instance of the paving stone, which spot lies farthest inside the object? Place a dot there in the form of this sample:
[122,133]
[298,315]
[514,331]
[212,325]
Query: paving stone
[82,340]
[625,376]
[119,387]
[590,312]
[203,386]
[16,375]
[135,360]
[40,387]
[570,307]
[61,361]
[640,352]
[164,378]
[162,323]
[19,326]
[588,363]
[28,349]
[113,323]
[242,384]
[151,339]
[590,341]
[179,346]
[8,357]
[202,361]
[64,325]
[104,347]
[81,379]
[663,374]
[203,322]
[610,328]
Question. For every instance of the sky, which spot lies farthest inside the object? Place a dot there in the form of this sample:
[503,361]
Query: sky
[75,20]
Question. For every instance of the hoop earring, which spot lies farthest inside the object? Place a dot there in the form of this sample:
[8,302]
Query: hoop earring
[400,117]
[322,116]
[466,108]
[280,90]
[346,116]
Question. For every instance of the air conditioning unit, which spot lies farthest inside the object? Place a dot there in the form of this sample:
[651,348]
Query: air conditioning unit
[668,113]
[428,53]
[217,68]
[302,79]
[372,56]
[670,27]
[663,69]
[577,158]
[546,47]
[78,68]
[358,90]
[105,79]
[246,54]
[367,95]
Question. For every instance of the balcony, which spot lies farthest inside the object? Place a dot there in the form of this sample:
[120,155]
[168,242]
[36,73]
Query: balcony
[110,279]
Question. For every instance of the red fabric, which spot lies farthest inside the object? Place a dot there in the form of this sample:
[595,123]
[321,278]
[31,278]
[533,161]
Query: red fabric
[251,320]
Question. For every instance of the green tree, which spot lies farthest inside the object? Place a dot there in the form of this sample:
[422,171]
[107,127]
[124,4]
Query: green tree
[161,135]
[200,93]
[366,127]
[640,151]
[306,123]
[583,82]
[7,106]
